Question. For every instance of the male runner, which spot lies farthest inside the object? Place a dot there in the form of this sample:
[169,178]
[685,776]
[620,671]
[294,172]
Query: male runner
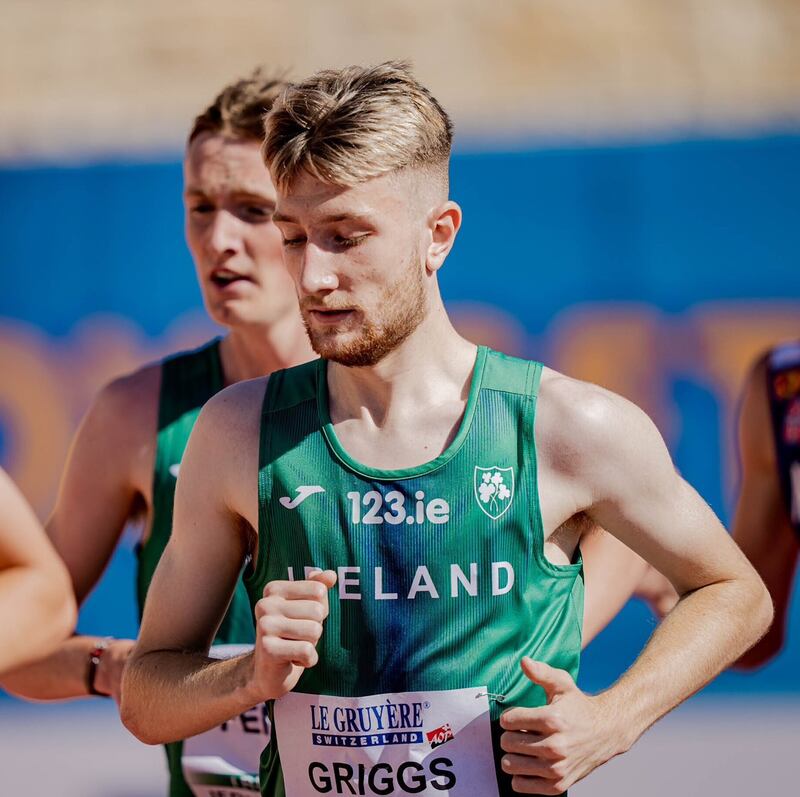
[767,520]
[37,610]
[125,458]
[404,468]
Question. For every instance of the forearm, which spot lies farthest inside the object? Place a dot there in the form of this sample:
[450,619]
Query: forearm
[704,633]
[34,614]
[59,676]
[169,695]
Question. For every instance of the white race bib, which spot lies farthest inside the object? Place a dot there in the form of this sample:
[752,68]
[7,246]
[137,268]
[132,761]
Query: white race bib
[422,743]
[224,761]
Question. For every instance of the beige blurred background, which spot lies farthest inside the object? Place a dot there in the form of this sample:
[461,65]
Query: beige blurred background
[105,76]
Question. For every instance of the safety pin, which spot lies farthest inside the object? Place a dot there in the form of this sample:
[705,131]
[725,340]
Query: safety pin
[492,696]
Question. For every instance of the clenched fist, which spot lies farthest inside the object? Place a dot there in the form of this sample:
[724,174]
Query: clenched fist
[289,621]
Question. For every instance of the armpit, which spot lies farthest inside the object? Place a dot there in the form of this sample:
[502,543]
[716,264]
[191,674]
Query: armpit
[562,545]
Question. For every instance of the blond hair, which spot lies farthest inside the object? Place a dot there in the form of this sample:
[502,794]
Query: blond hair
[349,125]
[238,110]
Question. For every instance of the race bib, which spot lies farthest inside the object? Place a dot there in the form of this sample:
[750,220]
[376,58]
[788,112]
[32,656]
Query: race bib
[224,761]
[422,743]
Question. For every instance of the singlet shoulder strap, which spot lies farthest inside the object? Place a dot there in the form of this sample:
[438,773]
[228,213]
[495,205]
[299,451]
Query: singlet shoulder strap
[279,432]
[188,379]
[511,375]
[291,386]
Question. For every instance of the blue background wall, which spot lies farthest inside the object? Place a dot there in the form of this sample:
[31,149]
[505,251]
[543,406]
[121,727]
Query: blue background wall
[672,228]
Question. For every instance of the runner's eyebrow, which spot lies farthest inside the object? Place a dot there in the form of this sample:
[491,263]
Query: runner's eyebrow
[249,193]
[331,219]
[336,217]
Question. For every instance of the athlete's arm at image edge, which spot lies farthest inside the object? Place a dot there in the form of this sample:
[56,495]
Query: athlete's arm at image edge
[85,533]
[761,523]
[37,609]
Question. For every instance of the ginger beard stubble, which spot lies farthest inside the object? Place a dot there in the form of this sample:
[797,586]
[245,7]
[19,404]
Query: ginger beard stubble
[399,311]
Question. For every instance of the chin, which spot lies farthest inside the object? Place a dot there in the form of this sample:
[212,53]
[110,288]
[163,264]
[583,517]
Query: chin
[348,350]
[226,316]
[237,313]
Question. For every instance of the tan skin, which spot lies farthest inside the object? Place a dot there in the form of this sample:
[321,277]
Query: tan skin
[229,199]
[600,457]
[37,609]
[761,524]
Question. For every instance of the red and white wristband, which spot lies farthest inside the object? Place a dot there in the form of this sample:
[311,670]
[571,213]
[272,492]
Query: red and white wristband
[95,655]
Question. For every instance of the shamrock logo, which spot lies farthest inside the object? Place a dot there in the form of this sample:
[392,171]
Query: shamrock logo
[494,489]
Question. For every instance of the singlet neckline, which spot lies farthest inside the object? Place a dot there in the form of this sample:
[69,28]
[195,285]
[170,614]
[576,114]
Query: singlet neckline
[401,473]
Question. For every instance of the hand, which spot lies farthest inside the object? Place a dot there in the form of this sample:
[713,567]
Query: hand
[657,591]
[289,622]
[108,677]
[550,748]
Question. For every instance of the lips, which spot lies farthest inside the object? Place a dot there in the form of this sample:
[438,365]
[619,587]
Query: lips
[330,317]
[223,278]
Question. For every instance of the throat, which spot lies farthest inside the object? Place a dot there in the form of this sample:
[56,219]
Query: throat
[251,353]
[404,422]
[399,443]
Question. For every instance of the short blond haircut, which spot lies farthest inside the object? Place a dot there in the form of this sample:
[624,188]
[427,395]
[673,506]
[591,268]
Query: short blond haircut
[238,110]
[346,126]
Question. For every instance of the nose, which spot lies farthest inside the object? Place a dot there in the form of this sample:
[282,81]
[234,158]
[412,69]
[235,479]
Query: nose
[223,234]
[317,273]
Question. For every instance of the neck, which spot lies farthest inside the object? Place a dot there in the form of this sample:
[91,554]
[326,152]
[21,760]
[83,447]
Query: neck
[415,375]
[253,350]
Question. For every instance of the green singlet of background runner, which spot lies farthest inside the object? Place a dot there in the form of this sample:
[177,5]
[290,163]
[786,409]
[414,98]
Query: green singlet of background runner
[188,381]
[394,520]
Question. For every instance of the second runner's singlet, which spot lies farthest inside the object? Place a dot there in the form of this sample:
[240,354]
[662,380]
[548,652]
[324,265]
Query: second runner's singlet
[224,761]
[783,389]
[443,586]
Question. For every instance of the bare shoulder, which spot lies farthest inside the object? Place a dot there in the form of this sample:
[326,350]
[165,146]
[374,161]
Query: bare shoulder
[580,419]
[227,431]
[235,412]
[602,443]
[116,439]
[131,401]
[222,455]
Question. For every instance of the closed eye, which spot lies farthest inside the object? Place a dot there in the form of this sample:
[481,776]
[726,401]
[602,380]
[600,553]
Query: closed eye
[350,242]
[259,211]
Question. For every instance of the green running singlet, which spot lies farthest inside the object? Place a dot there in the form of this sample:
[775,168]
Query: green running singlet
[443,585]
[188,381]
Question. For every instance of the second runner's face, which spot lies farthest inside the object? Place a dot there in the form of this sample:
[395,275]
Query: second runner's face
[358,259]
[229,200]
